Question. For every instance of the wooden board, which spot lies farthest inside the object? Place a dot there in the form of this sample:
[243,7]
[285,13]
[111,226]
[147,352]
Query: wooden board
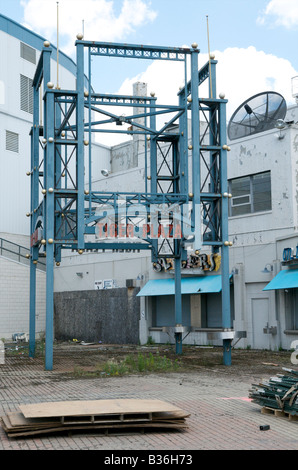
[105,428]
[96,408]
[105,415]
[16,421]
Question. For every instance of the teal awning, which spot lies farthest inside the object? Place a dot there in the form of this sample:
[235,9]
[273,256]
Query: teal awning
[189,285]
[286,279]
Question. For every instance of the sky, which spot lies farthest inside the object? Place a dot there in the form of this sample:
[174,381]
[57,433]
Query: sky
[254,41]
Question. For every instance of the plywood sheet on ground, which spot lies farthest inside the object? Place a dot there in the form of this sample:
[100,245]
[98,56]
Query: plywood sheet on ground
[107,429]
[96,407]
[105,415]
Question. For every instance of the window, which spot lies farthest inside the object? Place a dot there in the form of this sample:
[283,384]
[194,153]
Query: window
[250,194]
[12,141]
[291,308]
[28,53]
[26,94]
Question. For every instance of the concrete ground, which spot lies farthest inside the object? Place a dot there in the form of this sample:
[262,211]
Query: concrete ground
[221,415]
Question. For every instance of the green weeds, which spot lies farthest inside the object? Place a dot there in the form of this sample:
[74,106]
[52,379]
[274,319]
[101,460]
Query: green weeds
[133,364]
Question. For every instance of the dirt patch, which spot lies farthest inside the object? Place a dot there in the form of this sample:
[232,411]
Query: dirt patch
[79,360]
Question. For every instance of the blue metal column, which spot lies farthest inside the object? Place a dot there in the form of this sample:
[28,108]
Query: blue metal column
[50,214]
[32,308]
[183,140]
[46,55]
[213,167]
[90,132]
[196,171]
[178,306]
[80,145]
[226,310]
[45,58]
[153,171]
[34,204]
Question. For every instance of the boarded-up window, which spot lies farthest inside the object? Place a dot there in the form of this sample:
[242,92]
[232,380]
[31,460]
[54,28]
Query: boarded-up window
[26,94]
[12,141]
[28,53]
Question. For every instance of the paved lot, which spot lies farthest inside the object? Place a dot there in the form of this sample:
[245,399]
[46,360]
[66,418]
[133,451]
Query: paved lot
[222,416]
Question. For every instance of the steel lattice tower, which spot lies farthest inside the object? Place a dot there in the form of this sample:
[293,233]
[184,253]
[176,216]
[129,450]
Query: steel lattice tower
[67,211]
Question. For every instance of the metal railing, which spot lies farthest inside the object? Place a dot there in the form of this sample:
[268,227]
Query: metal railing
[18,253]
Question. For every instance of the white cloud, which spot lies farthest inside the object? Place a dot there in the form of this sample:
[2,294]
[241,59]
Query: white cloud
[281,13]
[241,73]
[101,23]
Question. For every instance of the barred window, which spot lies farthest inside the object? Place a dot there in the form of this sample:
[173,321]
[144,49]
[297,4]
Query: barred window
[26,94]
[12,141]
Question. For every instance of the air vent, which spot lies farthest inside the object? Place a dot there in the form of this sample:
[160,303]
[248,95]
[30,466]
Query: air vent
[130,283]
[26,94]
[12,141]
[28,53]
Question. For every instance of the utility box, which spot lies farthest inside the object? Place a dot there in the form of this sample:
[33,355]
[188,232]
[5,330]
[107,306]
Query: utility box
[130,283]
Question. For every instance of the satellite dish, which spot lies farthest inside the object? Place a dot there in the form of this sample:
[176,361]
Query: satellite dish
[259,113]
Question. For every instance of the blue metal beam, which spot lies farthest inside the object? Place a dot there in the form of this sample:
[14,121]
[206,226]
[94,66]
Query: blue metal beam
[204,74]
[136,51]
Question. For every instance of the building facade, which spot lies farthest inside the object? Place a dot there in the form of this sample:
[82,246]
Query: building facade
[262,173]
[263,179]
[115,290]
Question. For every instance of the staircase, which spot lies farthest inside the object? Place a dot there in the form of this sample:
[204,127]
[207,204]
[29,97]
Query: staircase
[18,253]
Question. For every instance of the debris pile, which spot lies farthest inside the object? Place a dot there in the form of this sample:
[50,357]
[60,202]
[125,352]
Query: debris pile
[279,393]
[104,415]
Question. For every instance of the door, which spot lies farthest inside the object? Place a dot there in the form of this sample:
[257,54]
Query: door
[260,319]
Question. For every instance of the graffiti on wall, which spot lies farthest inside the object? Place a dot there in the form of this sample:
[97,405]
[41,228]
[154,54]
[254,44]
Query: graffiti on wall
[202,261]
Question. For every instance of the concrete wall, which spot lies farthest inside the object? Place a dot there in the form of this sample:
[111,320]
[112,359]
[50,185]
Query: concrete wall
[110,316]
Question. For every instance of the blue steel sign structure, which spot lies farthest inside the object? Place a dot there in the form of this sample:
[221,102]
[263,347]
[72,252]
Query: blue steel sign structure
[66,213]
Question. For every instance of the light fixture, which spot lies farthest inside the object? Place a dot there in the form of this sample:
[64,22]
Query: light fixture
[267,269]
[79,274]
[280,124]
[105,172]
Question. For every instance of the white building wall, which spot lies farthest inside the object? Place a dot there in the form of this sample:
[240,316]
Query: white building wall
[14,295]
[14,184]
[259,238]
[264,152]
